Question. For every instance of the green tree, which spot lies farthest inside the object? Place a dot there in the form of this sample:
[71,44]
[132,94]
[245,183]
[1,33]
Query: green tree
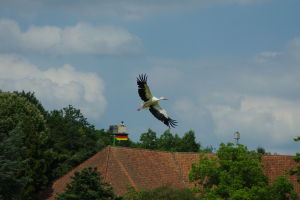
[167,142]
[297,160]
[148,140]
[86,186]
[47,152]
[208,149]
[126,143]
[32,99]
[104,136]
[188,143]
[164,192]
[263,151]
[237,175]
[11,150]
[72,140]
[15,109]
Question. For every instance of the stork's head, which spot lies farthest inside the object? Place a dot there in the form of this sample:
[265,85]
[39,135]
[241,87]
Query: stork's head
[163,98]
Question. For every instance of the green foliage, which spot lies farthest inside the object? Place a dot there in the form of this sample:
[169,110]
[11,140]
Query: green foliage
[167,142]
[15,109]
[276,191]
[188,143]
[208,149]
[11,150]
[236,175]
[126,143]
[281,187]
[160,193]
[32,99]
[72,141]
[86,186]
[296,159]
[297,170]
[148,140]
[104,136]
[261,150]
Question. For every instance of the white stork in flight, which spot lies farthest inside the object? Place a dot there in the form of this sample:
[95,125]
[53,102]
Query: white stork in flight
[151,102]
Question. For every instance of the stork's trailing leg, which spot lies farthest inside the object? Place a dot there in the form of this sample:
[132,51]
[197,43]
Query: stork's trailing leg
[144,106]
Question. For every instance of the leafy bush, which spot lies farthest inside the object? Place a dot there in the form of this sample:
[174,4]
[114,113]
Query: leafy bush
[164,192]
[87,186]
[235,174]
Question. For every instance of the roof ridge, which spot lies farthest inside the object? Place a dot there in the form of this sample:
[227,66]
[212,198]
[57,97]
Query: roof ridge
[80,165]
[179,170]
[126,173]
[105,173]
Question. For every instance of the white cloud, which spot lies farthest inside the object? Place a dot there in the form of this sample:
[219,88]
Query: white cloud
[270,54]
[265,56]
[124,9]
[259,118]
[55,87]
[84,38]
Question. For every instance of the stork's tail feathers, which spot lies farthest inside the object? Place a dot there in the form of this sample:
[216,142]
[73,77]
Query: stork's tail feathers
[172,122]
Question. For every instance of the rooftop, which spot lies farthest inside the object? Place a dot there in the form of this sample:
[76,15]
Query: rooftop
[123,165]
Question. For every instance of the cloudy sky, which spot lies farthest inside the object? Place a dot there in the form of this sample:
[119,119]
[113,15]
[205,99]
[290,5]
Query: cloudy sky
[224,65]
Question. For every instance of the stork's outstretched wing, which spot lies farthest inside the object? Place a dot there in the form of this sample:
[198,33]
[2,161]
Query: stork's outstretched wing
[144,90]
[161,115]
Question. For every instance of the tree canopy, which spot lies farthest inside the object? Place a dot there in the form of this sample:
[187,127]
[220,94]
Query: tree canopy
[11,150]
[297,160]
[15,109]
[164,192]
[235,174]
[168,142]
[72,140]
[86,186]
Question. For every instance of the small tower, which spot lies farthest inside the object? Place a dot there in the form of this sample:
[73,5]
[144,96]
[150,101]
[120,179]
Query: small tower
[236,137]
[119,131]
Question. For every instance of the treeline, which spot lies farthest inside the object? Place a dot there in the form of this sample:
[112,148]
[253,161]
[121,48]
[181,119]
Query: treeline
[37,146]
[167,142]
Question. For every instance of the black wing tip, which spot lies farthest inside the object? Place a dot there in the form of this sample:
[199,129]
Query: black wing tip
[172,123]
[142,78]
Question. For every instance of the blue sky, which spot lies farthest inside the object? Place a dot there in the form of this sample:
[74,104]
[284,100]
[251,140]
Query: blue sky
[224,65]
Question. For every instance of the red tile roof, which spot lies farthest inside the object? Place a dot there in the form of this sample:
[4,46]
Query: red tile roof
[123,165]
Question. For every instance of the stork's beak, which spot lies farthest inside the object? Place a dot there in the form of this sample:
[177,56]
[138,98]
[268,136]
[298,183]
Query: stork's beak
[166,99]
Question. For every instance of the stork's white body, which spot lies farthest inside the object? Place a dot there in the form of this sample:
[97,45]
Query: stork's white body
[152,101]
